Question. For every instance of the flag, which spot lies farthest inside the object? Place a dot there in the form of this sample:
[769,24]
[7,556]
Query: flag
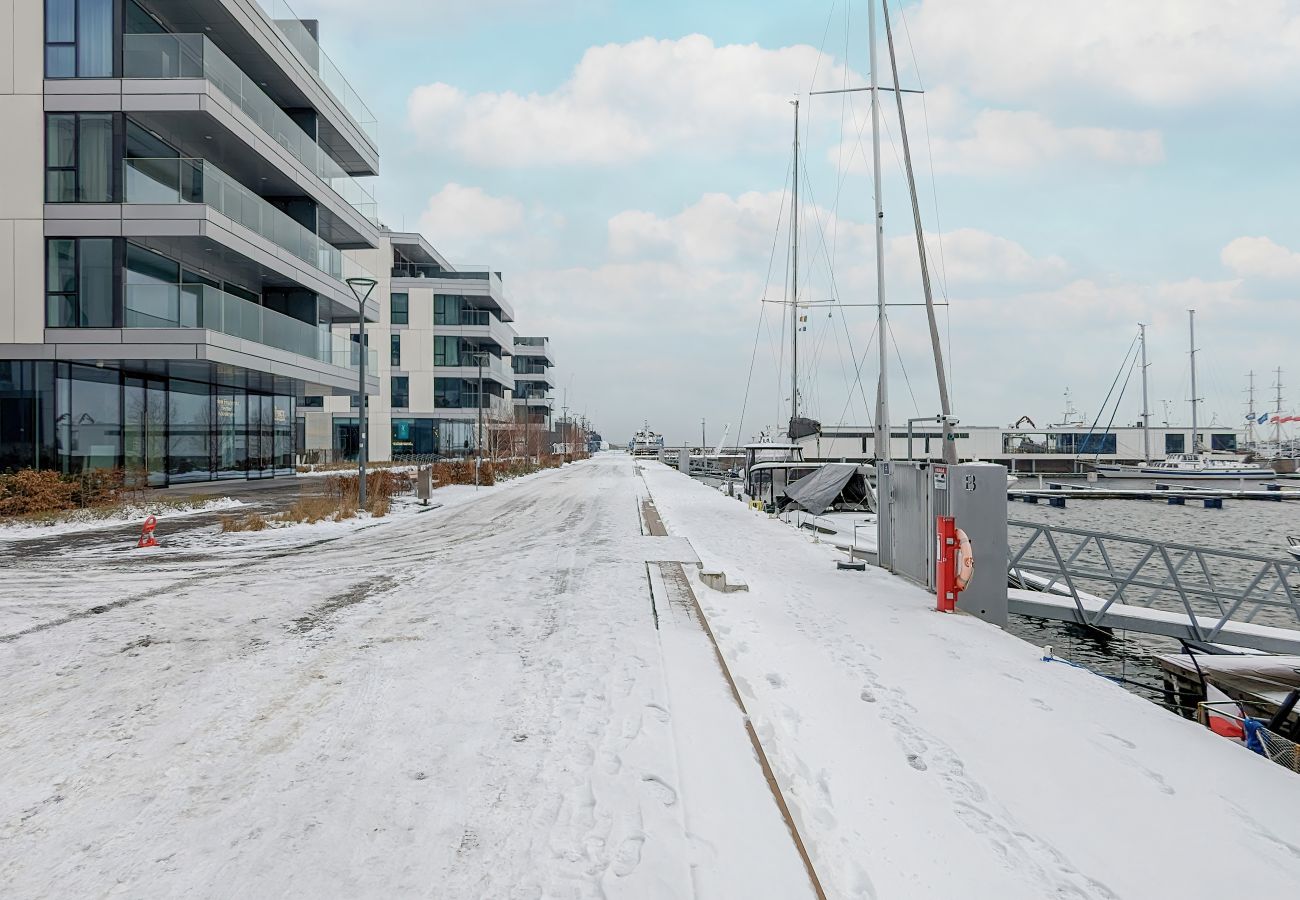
[1263,419]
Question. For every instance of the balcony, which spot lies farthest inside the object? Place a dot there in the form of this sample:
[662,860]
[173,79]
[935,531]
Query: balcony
[203,306]
[193,56]
[289,23]
[185,180]
[494,367]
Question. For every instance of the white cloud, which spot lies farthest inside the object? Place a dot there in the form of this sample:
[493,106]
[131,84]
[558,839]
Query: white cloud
[1260,257]
[1158,53]
[1015,140]
[463,216]
[624,102]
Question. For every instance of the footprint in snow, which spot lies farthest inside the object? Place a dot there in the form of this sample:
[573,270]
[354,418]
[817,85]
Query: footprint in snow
[775,680]
[916,762]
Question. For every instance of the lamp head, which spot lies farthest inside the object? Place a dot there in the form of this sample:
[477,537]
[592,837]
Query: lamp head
[361,287]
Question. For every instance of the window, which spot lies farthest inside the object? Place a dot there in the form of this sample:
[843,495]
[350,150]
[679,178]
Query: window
[446,350]
[78,38]
[312,403]
[1225,442]
[79,158]
[395,350]
[401,390]
[79,283]
[398,309]
[1175,443]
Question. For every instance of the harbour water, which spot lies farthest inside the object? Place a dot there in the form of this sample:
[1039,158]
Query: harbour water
[1247,526]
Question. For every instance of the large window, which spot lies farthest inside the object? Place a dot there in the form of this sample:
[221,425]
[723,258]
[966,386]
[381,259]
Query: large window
[1223,442]
[190,433]
[401,390]
[1175,443]
[398,309]
[78,38]
[453,309]
[446,350]
[395,350]
[455,393]
[79,283]
[79,158]
[89,422]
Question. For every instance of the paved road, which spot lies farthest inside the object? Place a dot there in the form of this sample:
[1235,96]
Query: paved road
[468,702]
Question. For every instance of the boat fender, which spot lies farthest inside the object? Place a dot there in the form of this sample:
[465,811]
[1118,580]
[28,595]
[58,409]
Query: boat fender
[965,561]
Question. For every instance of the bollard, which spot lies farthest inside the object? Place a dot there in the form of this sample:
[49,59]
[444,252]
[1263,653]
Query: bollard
[146,533]
[1058,502]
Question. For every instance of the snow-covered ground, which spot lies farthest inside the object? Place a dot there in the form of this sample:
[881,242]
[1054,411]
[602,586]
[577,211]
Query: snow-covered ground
[927,755]
[475,701]
[471,701]
[77,521]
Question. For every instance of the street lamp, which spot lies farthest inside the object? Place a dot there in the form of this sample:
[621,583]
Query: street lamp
[478,439]
[361,288]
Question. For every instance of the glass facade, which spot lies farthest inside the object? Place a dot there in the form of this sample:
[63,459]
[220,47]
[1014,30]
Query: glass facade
[426,437]
[160,430]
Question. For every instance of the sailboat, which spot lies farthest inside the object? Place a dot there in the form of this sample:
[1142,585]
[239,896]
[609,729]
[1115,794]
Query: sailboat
[1198,465]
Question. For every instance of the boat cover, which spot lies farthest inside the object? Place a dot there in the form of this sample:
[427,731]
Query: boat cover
[816,492]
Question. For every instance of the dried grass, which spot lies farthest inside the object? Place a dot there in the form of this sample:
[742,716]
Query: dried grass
[249,522]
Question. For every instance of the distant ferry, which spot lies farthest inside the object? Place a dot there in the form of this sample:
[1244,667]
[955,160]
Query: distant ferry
[645,442]
[1187,466]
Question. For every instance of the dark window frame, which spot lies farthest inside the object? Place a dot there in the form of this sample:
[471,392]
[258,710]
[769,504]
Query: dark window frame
[395,349]
[405,311]
[404,393]
[117,22]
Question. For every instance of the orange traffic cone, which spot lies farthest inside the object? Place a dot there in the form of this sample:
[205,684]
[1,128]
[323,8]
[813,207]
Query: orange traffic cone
[146,533]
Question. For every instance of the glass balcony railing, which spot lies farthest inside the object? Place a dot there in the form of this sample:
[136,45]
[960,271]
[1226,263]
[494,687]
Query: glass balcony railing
[465,360]
[531,342]
[194,56]
[290,25]
[187,180]
[203,306]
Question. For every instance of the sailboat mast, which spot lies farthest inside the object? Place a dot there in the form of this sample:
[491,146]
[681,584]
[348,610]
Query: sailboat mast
[1250,408]
[945,407]
[794,280]
[1277,418]
[1191,332]
[1146,410]
[882,320]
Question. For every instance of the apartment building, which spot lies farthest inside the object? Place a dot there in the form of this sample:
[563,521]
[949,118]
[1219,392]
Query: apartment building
[183,198]
[534,381]
[442,330]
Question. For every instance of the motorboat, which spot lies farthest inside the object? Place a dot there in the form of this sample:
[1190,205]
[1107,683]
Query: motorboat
[770,467]
[1195,466]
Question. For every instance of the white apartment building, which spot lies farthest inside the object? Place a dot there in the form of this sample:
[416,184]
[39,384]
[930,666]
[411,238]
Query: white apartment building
[534,381]
[183,186]
[436,323]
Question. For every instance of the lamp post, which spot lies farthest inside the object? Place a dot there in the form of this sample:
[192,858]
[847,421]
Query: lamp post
[361,288]
[478,437]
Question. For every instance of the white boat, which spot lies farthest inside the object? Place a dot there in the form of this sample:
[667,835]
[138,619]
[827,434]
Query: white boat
[646,442]
[1293,545]
[1191,466]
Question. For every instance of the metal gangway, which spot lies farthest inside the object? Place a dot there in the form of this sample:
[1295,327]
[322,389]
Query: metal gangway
[1119,582]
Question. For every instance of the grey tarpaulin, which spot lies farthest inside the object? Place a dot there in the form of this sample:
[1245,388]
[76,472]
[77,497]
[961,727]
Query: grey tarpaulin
[816,492]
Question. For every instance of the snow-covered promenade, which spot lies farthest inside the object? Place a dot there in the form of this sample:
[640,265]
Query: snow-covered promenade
[500,698]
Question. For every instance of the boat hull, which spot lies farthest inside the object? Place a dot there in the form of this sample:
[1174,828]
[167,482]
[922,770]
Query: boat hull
[1249,473]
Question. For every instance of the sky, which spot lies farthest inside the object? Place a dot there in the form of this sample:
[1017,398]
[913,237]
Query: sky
[1081,167]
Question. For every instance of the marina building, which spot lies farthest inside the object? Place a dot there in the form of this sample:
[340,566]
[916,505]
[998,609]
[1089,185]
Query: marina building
[183,197]
[1056,450]
[442,331]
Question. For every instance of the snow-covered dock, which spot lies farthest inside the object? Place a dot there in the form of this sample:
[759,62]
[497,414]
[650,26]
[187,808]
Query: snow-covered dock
[505,697]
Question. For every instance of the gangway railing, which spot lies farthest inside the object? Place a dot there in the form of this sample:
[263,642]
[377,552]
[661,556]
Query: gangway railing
[1226,595]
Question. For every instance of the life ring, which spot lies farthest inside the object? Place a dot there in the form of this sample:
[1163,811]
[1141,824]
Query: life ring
[965,560]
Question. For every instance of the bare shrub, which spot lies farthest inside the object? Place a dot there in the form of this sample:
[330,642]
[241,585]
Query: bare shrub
[249,522]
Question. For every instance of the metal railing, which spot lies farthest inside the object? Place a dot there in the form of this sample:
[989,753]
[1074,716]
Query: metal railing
[295,32]
[170,179]
[204,306]
[1097,570]
[194,56]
